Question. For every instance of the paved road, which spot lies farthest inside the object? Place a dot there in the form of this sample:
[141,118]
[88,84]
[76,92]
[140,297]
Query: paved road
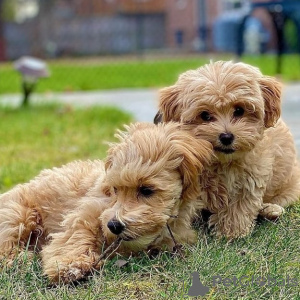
[142,103]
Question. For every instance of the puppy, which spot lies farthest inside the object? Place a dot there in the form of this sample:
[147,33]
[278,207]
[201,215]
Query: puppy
[255,168]
[146,188]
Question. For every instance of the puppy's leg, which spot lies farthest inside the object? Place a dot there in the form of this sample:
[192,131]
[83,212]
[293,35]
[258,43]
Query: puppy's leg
[289,194]
[231,217]
[18,223]
[72,253]
[237,219]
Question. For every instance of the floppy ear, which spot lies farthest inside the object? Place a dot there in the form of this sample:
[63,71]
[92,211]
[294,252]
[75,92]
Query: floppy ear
[169,104]
[105,188]
[271,91]
[107,163]
[122,136]
[109,156]
[195,153]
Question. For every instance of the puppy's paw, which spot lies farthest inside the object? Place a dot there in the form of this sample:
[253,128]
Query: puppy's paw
[15,257]
[74,272]
[271,211]
[71,270]
[187,236]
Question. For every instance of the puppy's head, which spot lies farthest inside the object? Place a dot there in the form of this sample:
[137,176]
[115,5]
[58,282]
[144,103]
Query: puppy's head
[151,174]
[228,104]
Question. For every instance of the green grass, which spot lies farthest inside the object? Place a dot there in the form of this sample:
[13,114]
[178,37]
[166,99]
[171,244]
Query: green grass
[272,250]
[44,136]
[50,135]
[93,74]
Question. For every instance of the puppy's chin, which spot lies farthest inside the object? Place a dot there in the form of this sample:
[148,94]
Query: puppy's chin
[228,154]
[140,243]
[225,150]
[134,243]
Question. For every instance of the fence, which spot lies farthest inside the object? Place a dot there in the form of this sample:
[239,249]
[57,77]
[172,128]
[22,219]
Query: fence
[85,36]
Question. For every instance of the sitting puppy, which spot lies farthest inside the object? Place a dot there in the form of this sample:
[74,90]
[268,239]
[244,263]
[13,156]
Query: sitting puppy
[255,169]
[146,189]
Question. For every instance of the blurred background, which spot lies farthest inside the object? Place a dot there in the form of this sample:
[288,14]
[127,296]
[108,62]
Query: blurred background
[77,28]
[77,37]
[120,53]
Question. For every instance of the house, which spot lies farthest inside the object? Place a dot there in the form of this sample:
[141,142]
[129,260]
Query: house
[97,27]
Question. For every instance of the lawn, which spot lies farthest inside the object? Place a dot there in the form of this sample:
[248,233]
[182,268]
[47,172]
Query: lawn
[44,136]
[97,74]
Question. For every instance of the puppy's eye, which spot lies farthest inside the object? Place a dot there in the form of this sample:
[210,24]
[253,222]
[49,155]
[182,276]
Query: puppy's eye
[238,112]
[115,190]
[145,191]
[206,116]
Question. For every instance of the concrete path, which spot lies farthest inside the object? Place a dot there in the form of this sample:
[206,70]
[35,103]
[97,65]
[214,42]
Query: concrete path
[291,110]
[142,103]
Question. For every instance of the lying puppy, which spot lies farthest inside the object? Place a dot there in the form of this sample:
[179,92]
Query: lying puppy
[255,169]
[148,183]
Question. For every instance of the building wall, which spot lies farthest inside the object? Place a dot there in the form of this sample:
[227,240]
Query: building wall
[112,7]
[185,15]
[142,6]
[120,26]
[181,19]
[95,7]
[213,9]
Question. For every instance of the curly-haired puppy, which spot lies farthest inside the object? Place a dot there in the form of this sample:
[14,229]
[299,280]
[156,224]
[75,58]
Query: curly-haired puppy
[255,169]
[149,181]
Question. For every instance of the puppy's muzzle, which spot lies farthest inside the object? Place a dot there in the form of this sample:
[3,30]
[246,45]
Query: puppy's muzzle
[226,138]
[115,226]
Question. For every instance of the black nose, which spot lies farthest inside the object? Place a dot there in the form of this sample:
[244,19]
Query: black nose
[115,226]
[226,138]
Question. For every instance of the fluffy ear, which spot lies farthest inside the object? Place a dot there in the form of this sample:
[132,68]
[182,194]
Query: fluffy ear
[109,156]
[122,136]
[271,91]
[106,189]
[107,163]
[169,104]
[196,153]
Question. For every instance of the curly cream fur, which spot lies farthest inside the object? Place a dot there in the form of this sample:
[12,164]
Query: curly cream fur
[259,171]
[67,209]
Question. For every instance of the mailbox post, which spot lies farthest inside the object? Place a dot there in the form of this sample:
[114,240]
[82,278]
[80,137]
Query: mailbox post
[31,70]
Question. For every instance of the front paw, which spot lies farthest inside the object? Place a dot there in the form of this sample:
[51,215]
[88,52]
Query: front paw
[271,211]
[71,269]
[74,271]
[15,256]
[230,227]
